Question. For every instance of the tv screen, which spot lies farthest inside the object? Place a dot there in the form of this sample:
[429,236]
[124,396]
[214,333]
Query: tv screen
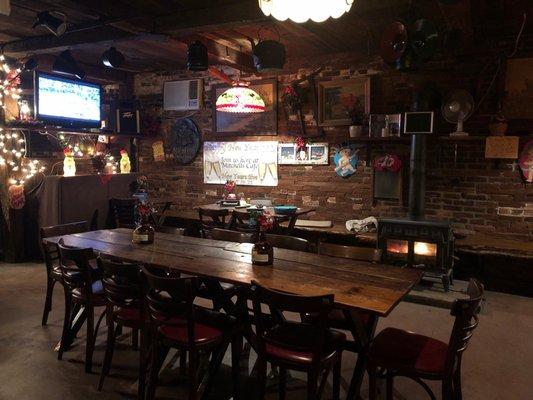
[67,102]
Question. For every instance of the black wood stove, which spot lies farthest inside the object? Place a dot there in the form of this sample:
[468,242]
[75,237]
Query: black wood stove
[416,242]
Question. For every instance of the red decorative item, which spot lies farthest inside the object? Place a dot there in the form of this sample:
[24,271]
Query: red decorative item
[17,200]
[389,162]
[300,143]
[266,221]
[526,162]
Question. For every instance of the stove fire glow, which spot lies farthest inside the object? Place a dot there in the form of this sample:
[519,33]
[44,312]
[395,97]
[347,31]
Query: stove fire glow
[425,249]
[398,246]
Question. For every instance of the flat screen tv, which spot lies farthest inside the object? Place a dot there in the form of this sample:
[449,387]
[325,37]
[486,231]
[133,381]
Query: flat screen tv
[67,102]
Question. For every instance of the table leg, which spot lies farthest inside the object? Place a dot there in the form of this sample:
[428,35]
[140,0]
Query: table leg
[365,333]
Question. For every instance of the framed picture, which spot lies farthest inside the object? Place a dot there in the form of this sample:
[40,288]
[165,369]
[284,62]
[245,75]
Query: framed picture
[418,122]
[312,154]
[518,85]
[248,124]
[391,122]
[338,99]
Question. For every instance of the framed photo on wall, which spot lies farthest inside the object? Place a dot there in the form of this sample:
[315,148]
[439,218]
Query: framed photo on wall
[248,124]
[338,99]
[312,154]
[378,122]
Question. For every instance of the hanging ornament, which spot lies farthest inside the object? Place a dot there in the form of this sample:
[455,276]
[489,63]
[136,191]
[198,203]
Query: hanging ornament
[526,162]
[389,162]
[345,160]
[69,165]
[125,165]
[16,197]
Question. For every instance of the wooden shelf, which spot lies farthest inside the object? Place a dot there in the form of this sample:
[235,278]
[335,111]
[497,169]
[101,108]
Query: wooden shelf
[431,138]
[67,131]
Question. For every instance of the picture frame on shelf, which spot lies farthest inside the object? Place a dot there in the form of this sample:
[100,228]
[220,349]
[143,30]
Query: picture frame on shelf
[312,154]
[248,124]
[385,125]
[338,99]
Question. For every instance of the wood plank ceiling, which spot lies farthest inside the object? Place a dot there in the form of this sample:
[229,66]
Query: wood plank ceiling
[153,35]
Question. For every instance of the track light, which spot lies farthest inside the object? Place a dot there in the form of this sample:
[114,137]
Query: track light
[112,58]
[54,21]
[197,57]
[66,64]
[30,64]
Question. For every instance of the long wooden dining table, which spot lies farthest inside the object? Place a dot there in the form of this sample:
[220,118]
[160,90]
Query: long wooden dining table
[375,289]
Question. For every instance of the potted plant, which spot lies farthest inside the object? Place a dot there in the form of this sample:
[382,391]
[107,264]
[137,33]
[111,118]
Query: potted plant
[356,111]
[498,124]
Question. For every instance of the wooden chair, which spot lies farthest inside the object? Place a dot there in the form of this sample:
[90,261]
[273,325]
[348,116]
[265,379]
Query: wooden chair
[288,242]
[175,322]
[301,346]
[123,212]
[242,221]
[122,291]
[232,236]
[401,353]
[355,253]
[210,219]
[51,259]
[347,320]
[83,288]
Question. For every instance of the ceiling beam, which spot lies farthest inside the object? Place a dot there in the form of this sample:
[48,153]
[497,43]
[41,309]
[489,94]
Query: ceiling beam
[210,18]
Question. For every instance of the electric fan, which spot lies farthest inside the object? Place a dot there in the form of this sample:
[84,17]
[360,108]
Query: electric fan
[457,107]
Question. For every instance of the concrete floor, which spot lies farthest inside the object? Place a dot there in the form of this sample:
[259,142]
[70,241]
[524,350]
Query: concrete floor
[497,365]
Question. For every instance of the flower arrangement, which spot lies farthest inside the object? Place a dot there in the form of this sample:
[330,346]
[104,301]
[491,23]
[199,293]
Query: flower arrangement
[292,98]
[266,221]
[300,143]
[354,108]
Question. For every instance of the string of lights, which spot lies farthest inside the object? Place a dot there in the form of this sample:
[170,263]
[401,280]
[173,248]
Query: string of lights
[13,158]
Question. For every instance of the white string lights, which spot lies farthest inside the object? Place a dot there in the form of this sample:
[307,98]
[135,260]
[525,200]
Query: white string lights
[13,158]
[9,81]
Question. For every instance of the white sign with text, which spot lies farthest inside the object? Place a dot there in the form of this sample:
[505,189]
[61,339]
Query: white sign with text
[246,163]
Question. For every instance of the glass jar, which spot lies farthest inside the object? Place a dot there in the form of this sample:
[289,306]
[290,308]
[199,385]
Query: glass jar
[262,252]
[144,233]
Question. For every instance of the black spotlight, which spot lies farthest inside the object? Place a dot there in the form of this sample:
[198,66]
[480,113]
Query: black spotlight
[30,64]
[197,57]
[112,58]
[65,64]
[54,21]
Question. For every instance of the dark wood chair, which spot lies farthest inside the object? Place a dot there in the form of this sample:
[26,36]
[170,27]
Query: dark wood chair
[176,322]
[355,253]
[51,259]
[232,236]
[349,320]
[242,221]
[123,212]
[83,288]
[210,219]
[396,352]
[288,242]
[123,294]
[301,346]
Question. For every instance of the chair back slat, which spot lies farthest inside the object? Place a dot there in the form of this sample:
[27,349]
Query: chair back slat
[122,283]
[123,212]
[232,236]
[76,270]
[278,303]
[466,313]
[244,221]
[288,242]
[351,252]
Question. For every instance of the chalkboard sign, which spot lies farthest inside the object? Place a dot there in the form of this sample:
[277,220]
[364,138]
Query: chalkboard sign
[184,140]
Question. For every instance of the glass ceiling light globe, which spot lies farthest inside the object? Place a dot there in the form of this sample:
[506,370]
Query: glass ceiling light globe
[240,99]
[303,10]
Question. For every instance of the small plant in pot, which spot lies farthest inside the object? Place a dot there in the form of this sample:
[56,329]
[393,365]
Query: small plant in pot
[498,124]
[356,126]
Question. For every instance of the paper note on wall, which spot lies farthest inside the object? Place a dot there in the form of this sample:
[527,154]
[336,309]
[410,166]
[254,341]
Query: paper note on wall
[246,163]
[158,151]
[501,147]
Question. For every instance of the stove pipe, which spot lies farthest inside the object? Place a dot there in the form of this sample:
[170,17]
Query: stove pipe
[417,177]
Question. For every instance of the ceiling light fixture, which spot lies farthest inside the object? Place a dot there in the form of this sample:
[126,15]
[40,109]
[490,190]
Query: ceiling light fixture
[303,10]
[113,58]
[239,98]
[66,64]
[54,21]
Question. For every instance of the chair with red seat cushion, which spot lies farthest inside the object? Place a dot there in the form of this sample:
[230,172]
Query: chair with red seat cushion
[122,290]
[83,288]
[176,322]
[400,353]
[51,259]
[301,346]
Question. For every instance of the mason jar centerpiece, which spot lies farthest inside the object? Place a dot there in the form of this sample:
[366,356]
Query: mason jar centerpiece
[262,251]
[144,231]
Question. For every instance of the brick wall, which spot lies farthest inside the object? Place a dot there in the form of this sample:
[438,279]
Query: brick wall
[473,193]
